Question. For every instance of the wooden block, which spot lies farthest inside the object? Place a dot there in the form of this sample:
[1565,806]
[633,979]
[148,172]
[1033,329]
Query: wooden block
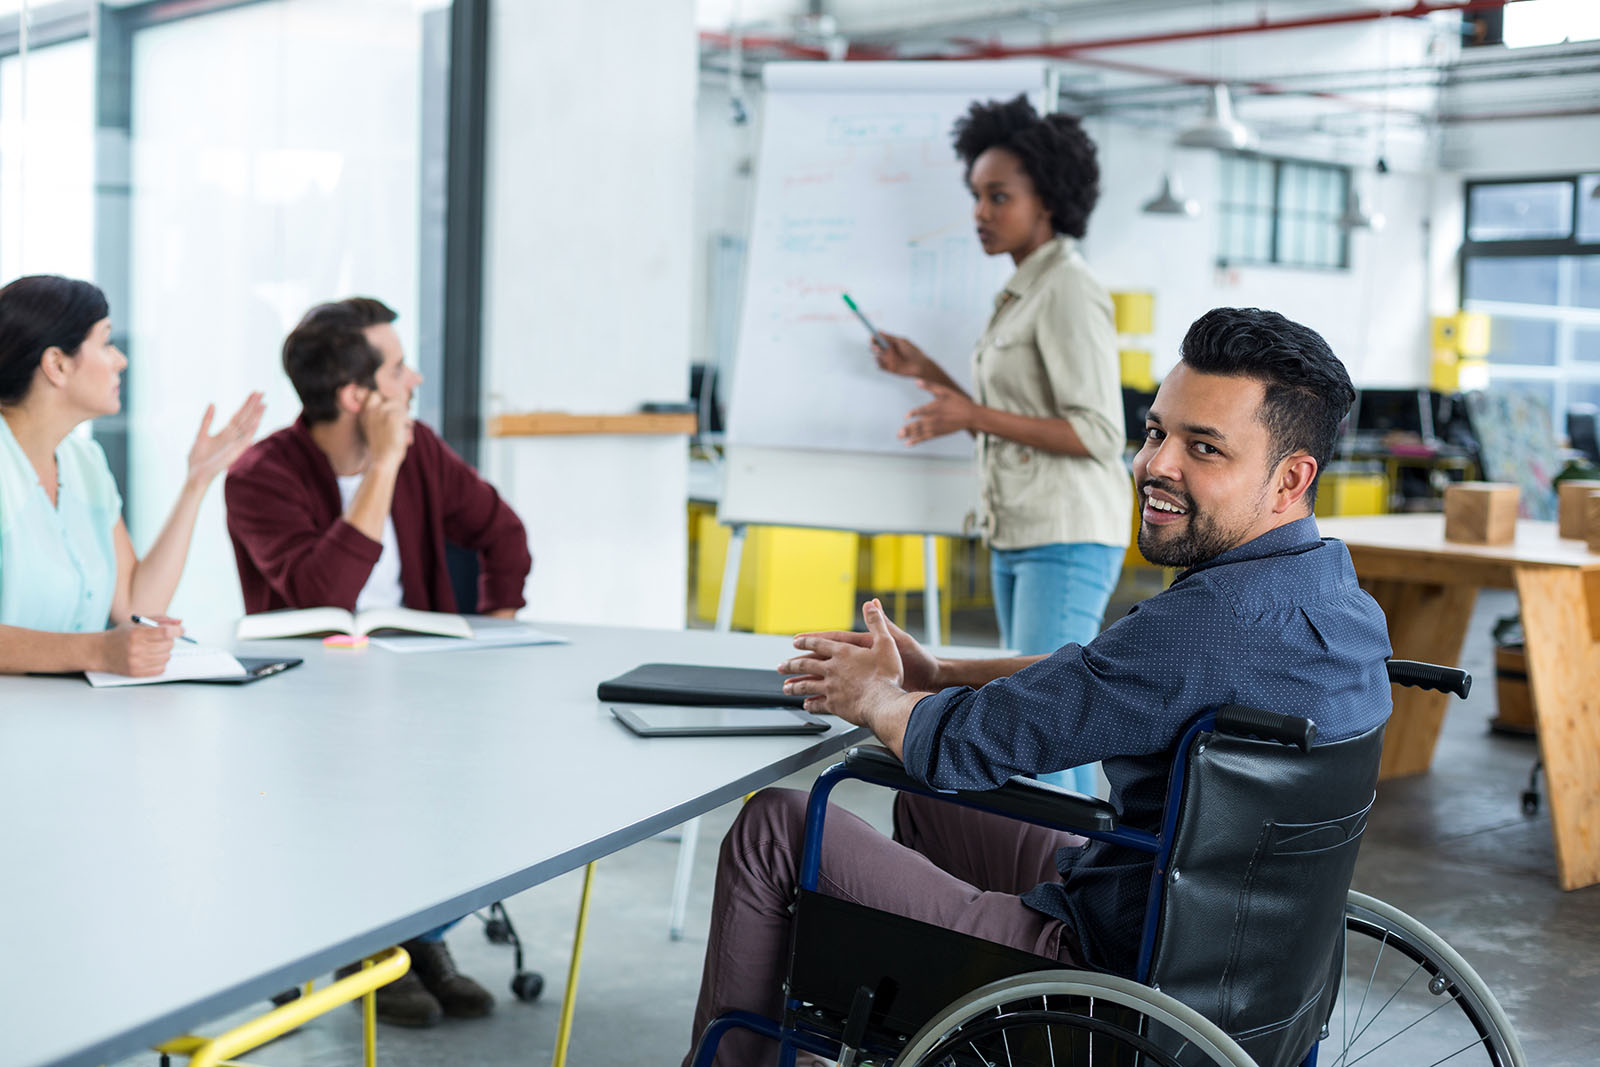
[1574,504]
[1481,513]
[1591,522]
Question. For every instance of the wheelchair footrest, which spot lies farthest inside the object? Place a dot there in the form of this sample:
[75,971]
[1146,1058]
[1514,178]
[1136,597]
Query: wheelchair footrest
[915,969]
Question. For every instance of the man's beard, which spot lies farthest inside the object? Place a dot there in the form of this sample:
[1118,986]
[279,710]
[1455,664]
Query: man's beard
[1200,541]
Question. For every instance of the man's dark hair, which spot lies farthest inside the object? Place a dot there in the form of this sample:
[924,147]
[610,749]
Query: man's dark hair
[327,351]
[1308,391]
[1054,151]
[42,311]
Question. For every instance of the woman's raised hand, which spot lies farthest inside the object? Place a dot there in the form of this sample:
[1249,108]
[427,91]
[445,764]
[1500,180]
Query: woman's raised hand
[213,453]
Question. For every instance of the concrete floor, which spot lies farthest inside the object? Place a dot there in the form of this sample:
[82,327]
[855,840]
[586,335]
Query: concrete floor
[1451,847]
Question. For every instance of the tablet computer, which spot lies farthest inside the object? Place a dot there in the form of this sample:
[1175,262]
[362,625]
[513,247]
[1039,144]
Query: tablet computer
[254,670]
[671,720]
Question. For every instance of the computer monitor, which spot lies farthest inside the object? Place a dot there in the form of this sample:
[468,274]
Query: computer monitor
[1380,412]
[1582,431]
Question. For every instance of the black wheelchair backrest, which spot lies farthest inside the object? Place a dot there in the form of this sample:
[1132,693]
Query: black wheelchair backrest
[1252,908]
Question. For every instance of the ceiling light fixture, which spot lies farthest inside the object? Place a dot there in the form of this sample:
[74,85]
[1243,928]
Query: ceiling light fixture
[1355,218]
[1219,129]
[1171,201]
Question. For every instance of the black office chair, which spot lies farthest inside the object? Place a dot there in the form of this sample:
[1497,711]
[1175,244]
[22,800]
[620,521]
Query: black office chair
[1253,950]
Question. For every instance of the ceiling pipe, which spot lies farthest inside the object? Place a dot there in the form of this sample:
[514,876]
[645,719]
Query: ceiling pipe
[1420,9]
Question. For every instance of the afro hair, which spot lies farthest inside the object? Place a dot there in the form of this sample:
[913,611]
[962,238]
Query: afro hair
[1055,153]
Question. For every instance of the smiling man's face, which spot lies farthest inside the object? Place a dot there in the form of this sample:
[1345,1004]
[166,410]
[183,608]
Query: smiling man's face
[1205,475]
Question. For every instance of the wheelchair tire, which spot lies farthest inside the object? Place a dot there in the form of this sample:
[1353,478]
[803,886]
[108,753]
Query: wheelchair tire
[1406,996]
[988,1019]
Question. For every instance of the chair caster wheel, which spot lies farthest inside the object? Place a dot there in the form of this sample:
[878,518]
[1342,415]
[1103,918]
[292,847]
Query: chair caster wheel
[497,931]
[1530,802]
[527,985]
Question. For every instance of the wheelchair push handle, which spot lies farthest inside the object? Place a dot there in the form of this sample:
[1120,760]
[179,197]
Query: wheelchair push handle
[1430,676]
[1254,722]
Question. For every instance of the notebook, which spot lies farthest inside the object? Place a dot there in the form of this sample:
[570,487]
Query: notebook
[682,683]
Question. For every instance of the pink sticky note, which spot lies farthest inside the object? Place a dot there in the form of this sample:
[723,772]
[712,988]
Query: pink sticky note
[345,641]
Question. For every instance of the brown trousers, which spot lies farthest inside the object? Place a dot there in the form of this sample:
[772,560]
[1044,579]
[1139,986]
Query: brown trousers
[948,865]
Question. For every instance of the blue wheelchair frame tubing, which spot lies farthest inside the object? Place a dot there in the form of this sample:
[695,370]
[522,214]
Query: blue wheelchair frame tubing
[791,1039]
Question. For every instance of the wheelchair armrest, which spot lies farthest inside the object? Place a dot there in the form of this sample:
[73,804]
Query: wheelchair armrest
[1020,798]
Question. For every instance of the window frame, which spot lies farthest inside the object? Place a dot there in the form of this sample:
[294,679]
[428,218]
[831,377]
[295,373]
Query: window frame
[1345,178]
[1565,370]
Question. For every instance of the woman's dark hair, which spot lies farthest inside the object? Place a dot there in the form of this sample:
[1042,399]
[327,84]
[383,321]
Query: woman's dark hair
[38,312]
[1054,151]
[1308,391]
[328,350]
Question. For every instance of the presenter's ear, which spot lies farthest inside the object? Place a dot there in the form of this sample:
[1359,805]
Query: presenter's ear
[351,397]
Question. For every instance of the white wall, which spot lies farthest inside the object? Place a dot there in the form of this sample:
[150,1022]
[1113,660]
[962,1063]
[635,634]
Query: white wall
[1374,315]
[291,179]
[588,259]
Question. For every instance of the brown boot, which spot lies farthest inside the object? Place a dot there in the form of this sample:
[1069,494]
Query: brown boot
[458,995]
[403,1002]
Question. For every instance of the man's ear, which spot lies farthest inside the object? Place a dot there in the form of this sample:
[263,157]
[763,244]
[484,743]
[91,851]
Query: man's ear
[1296,474]
[54,366]
[351,397]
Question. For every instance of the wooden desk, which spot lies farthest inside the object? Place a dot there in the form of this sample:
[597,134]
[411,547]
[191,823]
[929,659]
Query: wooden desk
[1427,585]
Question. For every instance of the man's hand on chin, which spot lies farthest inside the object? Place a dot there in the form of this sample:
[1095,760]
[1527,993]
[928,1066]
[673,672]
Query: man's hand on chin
[860,683]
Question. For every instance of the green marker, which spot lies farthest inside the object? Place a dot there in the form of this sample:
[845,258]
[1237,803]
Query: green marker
[873,330]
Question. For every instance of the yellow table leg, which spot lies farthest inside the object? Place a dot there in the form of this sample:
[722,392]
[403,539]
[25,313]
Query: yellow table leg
[570,1000]
[369,1023]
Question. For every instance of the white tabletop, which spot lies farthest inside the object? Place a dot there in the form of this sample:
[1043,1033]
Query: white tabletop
[171,853]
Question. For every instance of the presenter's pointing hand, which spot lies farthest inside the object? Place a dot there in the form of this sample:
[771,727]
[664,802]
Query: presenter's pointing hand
[901,357]
[948,412]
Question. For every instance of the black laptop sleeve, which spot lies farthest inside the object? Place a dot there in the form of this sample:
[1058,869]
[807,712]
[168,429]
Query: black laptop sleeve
[682,683]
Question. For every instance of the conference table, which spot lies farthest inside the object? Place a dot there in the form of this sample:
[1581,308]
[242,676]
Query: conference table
[173,853]
[1426,587]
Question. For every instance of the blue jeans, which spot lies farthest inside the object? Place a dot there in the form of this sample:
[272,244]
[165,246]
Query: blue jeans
[1048,596]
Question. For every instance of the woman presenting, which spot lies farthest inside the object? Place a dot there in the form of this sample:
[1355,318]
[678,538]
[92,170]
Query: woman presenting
[1046,404]
[67,567]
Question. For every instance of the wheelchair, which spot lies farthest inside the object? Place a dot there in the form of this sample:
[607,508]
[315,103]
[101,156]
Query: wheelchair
[1254,951]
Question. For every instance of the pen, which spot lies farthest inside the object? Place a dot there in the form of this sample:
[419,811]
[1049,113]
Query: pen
[876,336]
[140,620]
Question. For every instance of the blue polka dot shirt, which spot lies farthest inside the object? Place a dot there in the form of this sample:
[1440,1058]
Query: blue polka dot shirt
[1277,623]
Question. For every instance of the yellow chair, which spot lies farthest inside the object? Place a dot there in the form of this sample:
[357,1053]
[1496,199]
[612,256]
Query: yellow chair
[378,970]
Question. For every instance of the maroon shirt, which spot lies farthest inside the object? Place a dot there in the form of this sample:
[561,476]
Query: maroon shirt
[295,550]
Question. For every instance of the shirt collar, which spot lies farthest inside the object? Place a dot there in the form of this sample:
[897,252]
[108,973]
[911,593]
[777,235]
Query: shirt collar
[1030,270]
[1291,535]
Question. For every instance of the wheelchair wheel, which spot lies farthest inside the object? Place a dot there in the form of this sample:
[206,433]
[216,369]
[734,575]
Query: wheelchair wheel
[1051,1018]
[1403,983]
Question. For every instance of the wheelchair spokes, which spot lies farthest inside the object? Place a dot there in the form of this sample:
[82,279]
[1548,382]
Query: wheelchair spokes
[1404,988]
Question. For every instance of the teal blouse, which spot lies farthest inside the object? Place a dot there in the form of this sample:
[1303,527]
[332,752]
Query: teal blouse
[58,565]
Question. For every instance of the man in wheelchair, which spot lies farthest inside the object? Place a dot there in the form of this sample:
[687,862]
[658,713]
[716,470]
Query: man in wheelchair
[1264,613]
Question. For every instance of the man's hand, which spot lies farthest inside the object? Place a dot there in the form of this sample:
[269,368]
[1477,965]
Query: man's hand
[138,651]
[948,412]
[920,669]
[386,426]
[901,357]
[860,684]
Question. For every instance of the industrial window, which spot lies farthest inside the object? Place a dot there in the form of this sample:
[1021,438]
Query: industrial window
[1282,212]
[1531,261]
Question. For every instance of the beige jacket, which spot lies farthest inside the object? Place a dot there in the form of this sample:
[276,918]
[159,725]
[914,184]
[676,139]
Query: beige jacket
[1051,352]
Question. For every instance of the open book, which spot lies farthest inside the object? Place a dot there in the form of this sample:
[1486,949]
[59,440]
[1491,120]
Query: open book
[320,622]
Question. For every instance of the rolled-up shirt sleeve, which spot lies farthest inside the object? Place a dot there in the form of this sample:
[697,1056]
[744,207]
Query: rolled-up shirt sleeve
[1126,694]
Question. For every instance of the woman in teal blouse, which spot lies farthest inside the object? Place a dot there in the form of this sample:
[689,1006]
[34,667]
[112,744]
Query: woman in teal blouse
[70,581]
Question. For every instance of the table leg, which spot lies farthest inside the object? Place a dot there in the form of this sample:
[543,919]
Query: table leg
[1561,625]
[1427,623]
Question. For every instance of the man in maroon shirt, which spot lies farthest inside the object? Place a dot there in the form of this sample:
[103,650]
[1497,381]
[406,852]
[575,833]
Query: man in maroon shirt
[351,507]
